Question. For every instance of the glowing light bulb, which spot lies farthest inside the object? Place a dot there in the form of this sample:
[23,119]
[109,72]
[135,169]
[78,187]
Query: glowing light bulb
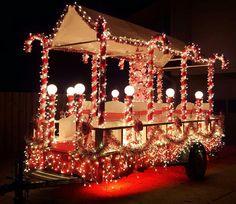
[198,95]
[115,93]
[70,91]
[170,92]
[52,89]
[79,89]
[129,90]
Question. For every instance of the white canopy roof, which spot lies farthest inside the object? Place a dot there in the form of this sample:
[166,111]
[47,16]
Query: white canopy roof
[77,33]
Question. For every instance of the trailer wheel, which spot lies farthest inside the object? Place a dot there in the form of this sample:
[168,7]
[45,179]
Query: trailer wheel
[197,162]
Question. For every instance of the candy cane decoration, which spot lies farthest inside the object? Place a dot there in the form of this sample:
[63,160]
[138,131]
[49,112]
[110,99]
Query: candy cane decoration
[159,84]
[70,101]
[102,36]
[45,43]
[79,91]
[52,89]
[94,86]
[129,91]
[210,77]
[170,103]
[198,104]
[186,54]
[128,110]
[151,47]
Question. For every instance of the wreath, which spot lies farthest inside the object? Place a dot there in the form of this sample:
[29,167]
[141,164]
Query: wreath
[138,125]
[85,128]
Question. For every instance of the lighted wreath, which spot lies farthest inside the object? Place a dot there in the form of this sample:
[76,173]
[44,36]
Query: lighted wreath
[138,125]
[85,128]
[178,122]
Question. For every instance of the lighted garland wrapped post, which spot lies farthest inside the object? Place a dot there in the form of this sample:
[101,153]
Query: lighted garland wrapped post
[193,53]
[183,84]
[45,43]
[70,101]
[151,47]
[102,36]
[170,102]
[210,84]
[163,43]
[79,90]
[198,104]
[210,78]
[52,89]
[94,86]
[129,91]
[159,84]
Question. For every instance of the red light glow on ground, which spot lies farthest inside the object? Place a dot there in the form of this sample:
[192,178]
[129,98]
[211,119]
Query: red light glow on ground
[133,184]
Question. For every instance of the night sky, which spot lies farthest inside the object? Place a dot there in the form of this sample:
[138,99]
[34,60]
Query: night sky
[20,71]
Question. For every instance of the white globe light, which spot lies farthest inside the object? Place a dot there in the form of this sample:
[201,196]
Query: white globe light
[115,93]
[198,95]
[79,89]
[70,91]
[52,89]
[129,90]
[170,92]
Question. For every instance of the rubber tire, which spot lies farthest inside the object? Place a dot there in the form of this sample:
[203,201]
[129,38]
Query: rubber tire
[197,162]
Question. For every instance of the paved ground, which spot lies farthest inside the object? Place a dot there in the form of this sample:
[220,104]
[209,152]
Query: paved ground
[163,185]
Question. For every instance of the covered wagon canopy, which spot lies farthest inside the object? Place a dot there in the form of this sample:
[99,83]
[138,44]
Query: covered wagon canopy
[76,32]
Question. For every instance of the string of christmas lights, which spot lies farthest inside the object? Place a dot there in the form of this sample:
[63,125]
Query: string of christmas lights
[150,99]
[191,52]
[102,36]
[163,145]
[94,86]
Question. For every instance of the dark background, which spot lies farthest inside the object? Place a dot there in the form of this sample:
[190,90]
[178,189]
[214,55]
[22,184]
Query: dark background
[210,24]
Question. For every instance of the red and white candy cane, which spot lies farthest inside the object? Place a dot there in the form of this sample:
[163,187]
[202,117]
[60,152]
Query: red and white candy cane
[129,91]
[102,36]
[170,108]
[191,52]
[128,110]
[151,47]
[51,118]
[70,101]
[52,89]
[79,105]
[210,77]
[198,104]
[94,86]
[159,84]
[45,43]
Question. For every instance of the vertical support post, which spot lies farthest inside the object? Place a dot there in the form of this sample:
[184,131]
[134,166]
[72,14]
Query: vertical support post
[45,43]
[94,86]
[51,119]
[152,45]
[183,84]
[210,83]
[102,38]
[159,84]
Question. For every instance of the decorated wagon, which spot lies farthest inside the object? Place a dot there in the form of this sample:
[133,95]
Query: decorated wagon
[100,140]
